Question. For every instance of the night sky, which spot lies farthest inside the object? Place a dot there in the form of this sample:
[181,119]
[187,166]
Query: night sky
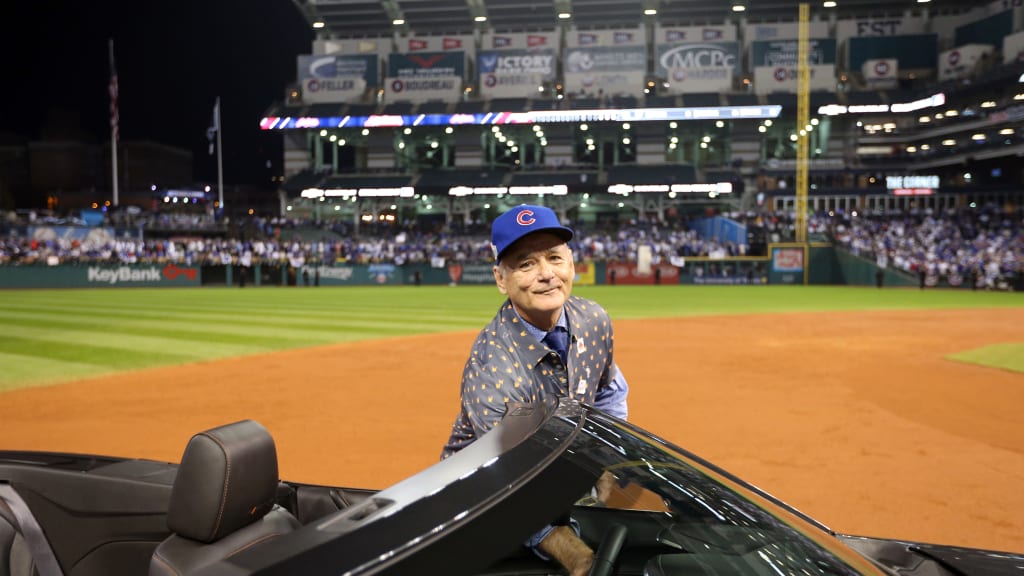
[173,58]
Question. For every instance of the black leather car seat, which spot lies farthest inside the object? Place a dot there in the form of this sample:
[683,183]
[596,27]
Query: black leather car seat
[223,499]
[15,557]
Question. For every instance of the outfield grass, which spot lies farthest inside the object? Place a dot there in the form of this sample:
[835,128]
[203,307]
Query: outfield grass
[1007,356]
[49,336]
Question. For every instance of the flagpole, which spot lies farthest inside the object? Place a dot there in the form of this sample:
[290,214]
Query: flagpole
[114,120]
[220,164]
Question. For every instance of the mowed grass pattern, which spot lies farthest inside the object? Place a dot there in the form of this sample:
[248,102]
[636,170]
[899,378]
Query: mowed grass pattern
[49,336]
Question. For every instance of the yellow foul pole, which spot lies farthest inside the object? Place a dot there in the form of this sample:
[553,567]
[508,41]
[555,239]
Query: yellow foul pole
[803,102]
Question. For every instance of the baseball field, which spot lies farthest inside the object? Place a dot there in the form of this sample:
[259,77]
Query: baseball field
[893,412]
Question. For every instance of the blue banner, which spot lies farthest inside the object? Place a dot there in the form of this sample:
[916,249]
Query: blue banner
[423,64]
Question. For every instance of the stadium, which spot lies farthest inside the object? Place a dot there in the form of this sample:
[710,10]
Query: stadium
[804,219]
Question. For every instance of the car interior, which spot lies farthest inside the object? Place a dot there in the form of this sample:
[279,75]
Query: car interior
[73,515]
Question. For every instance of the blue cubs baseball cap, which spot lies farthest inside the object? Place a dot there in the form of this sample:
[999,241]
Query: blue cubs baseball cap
[522,220]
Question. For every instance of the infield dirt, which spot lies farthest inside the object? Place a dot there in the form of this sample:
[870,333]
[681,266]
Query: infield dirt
[855,418]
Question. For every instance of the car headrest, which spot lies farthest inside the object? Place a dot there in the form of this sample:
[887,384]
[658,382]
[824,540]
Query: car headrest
[227,480]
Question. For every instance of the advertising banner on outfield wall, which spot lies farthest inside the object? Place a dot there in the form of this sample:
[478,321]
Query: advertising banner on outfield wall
[380,47]
[698,66]
[784,52]
[427,64]
[1013,48]
[425,76]
[514,73]
[336,78]
[576,38]
[99,276]
[765,32]
[775,68]
[444,43]
[613,71]
[691,34]
[784,78]
[881,73]
[892,26]
[629,273]
[962,61]
[356,275]
[544,40]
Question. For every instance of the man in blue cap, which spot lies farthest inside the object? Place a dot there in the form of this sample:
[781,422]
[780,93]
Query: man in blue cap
[543,342]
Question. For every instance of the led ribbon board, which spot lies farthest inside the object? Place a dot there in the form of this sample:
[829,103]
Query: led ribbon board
[533,117]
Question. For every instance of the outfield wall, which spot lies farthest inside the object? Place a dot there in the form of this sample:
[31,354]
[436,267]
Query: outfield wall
[788,264]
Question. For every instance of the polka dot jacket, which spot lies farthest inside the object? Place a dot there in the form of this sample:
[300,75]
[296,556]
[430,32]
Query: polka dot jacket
[508,364]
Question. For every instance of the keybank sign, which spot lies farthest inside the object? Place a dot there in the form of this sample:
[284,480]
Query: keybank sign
[123,274]
[696,56]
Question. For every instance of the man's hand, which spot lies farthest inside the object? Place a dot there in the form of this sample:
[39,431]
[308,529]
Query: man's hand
[565,546]
[604,486]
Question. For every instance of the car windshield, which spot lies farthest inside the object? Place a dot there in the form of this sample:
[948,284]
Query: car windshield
[703,520]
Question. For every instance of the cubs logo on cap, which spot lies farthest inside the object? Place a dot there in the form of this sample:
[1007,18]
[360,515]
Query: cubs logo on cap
[522,220]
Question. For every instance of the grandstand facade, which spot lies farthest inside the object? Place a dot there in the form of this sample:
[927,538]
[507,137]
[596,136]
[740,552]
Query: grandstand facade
[451,111]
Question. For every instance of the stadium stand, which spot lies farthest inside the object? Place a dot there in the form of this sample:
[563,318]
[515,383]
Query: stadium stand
[923,166]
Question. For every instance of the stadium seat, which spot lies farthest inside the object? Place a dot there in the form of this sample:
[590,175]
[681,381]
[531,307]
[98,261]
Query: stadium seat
[325,110]
[361,109]
[470,107]
[544,104]
[398,108]
[743,99]
[702,99]
[508,105]
[223,499]
[433,107]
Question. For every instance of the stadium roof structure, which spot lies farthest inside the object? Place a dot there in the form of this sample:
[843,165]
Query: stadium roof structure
[376,18]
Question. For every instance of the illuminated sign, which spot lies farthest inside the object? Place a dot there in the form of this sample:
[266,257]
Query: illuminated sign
[404,192]
[559,190]
[710,188]
[902,182]
[838,109]
[533,117]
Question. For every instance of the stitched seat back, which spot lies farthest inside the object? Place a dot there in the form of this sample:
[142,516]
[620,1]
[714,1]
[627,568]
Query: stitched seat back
[223,499]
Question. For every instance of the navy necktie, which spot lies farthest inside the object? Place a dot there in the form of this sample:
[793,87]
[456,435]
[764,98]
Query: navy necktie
[558,340]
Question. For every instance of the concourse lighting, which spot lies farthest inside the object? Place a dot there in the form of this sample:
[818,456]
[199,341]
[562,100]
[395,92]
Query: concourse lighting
[398,21]
[480,19]
[318,24]
[828,4]
[650,12]
[739,8]
[564,15]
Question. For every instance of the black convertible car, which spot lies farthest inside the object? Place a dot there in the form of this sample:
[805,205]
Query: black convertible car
[659,511]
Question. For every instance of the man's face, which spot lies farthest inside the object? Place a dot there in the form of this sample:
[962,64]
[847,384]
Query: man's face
[536,273]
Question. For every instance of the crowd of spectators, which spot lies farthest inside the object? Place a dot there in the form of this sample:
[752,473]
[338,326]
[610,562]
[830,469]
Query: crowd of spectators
[983,244]
[295,242]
